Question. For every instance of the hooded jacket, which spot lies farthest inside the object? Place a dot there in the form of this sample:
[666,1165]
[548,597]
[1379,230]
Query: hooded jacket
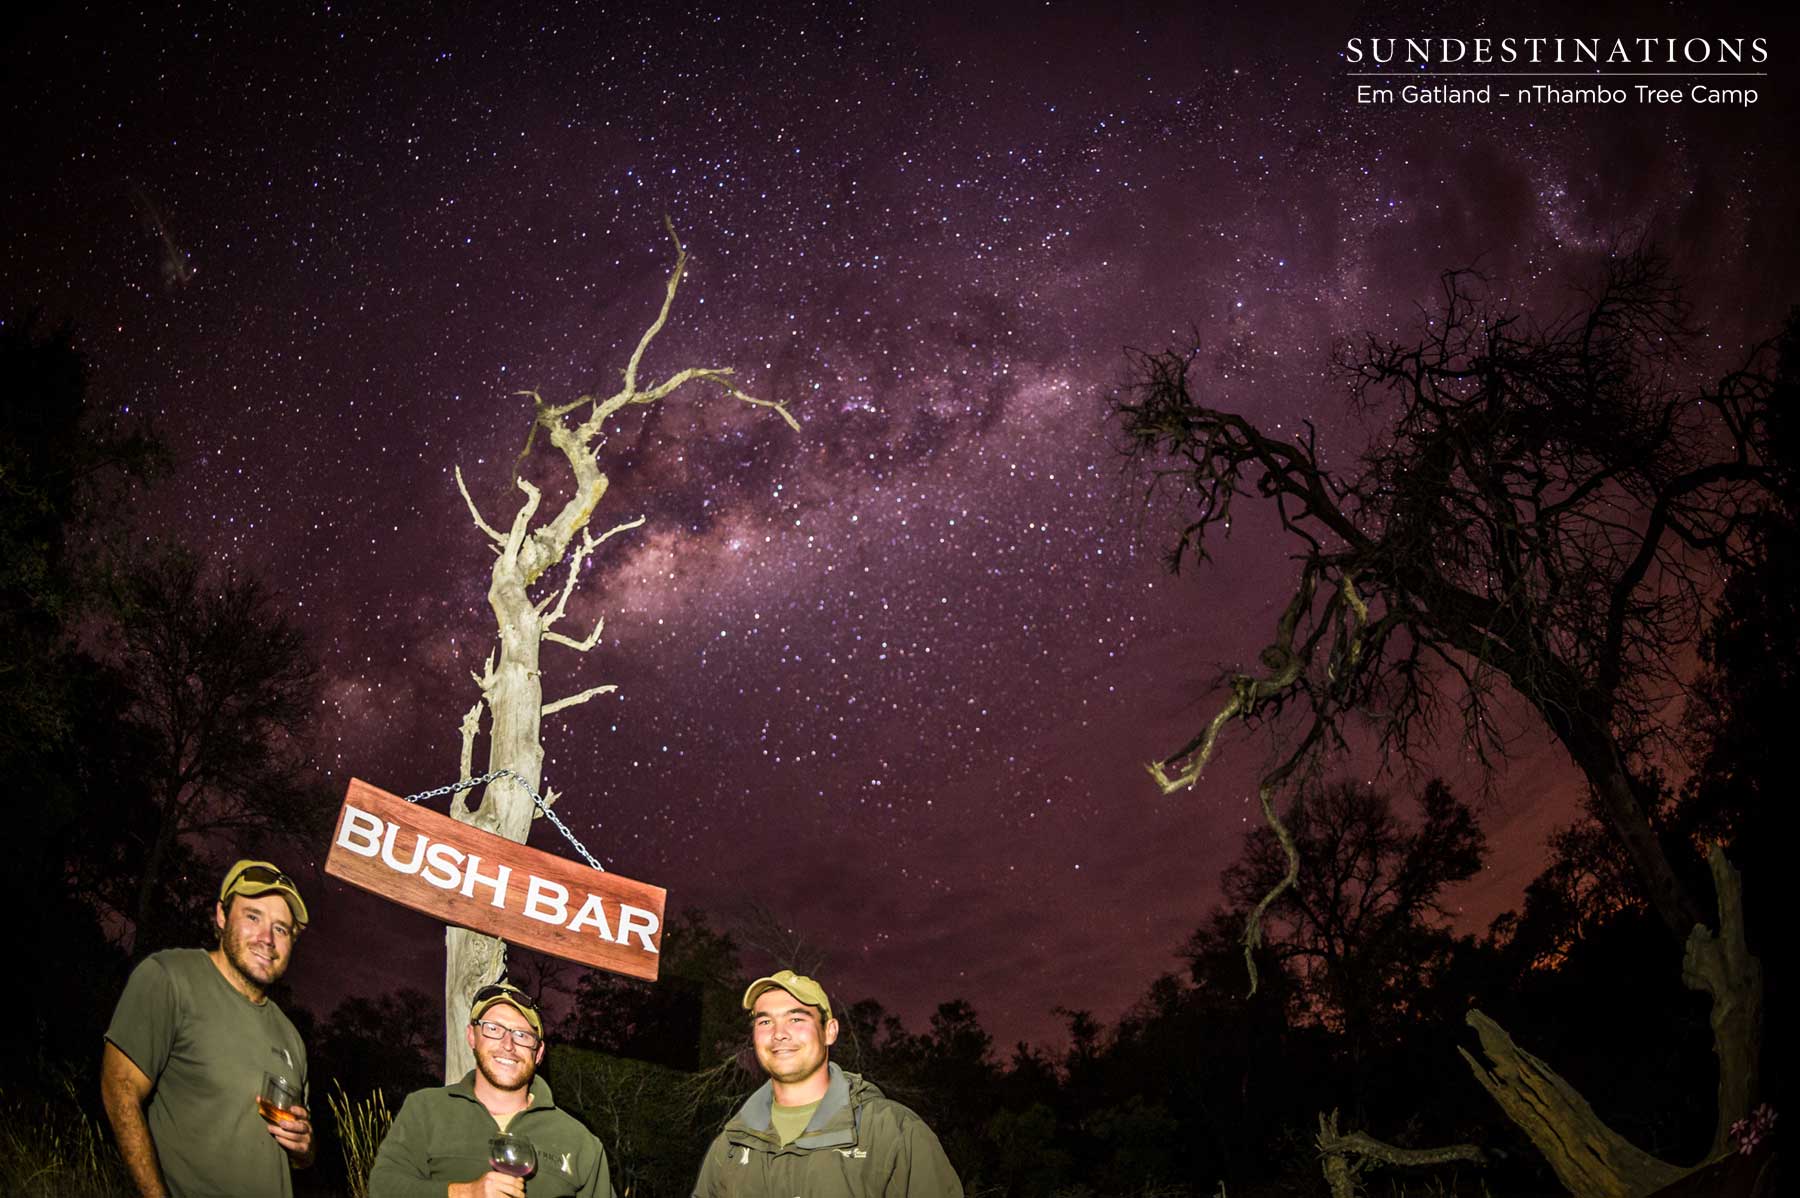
[857,1145]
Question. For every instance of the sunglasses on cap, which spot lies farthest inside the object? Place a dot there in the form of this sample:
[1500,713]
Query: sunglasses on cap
[261,875]
[511,994]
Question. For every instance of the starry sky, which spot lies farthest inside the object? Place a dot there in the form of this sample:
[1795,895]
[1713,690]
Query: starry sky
[891,678]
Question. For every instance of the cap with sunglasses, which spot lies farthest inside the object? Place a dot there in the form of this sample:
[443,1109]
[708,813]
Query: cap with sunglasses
[255,878]
[506,992]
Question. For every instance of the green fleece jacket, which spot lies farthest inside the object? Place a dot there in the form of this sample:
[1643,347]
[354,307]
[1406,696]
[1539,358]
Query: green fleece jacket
[857,1145]
[441,1136]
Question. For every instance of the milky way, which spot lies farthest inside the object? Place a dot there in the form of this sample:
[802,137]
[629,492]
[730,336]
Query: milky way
[893,677]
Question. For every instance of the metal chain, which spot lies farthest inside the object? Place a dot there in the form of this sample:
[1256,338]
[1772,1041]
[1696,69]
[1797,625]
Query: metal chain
[470,783]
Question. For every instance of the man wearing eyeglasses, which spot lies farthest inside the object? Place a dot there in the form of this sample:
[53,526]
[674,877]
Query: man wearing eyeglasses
[814,1129]
[439,1143]
[190,1041]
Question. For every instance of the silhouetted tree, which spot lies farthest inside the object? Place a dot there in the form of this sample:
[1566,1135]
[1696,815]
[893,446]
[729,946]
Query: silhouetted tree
[1363,926]
[1545,513]
[386,1043]
[1749,649]
[64,461]
[1585,886]
[690,1017]
[1030,1154]
[957,1072]
[873,1042]
[225,690]
[1740,787]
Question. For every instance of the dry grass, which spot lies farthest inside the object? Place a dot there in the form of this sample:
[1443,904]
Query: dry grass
[361,1127]
[51,1149]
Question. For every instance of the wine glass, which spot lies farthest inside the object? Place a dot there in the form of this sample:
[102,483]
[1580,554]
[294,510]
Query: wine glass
[277,1098]
[512,1155]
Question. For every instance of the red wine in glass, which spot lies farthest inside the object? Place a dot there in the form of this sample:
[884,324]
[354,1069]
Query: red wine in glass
[512,1155]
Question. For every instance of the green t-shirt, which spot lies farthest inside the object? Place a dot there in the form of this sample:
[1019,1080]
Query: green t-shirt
[205,1047]
[790,1121]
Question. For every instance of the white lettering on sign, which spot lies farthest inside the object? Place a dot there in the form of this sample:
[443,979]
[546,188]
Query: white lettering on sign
[546,900]
[449,868]
[387,852]
[472,877]
[441,862]
[361,833]
[370,836]
[643,923]
[593,914]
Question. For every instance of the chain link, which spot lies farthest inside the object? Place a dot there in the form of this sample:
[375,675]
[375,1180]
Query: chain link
[470,783]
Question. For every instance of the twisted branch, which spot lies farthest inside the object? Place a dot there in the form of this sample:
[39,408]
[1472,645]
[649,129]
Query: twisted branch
[1336,1151]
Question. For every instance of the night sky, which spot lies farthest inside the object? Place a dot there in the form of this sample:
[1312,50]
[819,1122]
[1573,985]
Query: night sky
[892,678]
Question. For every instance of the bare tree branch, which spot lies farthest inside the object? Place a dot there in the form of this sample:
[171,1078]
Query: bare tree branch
[581,646]
[589,543]
[471,725]
[515,537]
[483,525]
[1336,1151]
[577,700]
[662,317]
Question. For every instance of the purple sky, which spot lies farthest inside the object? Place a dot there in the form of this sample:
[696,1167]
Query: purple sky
[893,677]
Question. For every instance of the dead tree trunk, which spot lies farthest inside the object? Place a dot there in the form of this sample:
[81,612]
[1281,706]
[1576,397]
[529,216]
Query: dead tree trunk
[511,681]
[1589,1158]
[1721,964]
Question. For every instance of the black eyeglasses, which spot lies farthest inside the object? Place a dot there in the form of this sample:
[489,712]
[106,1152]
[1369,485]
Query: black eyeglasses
[524,1037]
[511,994]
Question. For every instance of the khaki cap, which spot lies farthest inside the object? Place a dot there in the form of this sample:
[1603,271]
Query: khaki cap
[505,992]
[796,984]
[255,878]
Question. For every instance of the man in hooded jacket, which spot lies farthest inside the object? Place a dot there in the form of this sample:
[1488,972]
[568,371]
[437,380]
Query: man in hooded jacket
[814,1129]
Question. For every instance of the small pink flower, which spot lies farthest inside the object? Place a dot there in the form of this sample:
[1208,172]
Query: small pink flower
[1749,1132]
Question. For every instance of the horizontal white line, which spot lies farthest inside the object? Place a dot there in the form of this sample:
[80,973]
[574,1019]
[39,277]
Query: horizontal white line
[1558,74]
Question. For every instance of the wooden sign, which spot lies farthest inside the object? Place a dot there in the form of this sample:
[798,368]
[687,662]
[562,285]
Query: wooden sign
[477,880]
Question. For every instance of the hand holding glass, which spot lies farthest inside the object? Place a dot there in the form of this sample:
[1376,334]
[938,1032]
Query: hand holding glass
[278,1097]
[512,1155]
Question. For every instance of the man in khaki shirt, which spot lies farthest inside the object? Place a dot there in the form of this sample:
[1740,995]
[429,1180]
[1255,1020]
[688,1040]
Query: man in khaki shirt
[190,1041]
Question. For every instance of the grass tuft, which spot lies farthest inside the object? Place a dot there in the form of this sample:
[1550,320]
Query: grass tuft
[361,1126]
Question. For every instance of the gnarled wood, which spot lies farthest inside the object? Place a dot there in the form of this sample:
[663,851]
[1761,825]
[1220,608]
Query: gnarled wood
[1720,963]
[1343,1156]
[1589,1157]
[512,682]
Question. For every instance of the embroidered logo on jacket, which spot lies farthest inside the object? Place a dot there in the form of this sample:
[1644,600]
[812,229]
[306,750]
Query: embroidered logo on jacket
[565,1164]
[857,1154]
